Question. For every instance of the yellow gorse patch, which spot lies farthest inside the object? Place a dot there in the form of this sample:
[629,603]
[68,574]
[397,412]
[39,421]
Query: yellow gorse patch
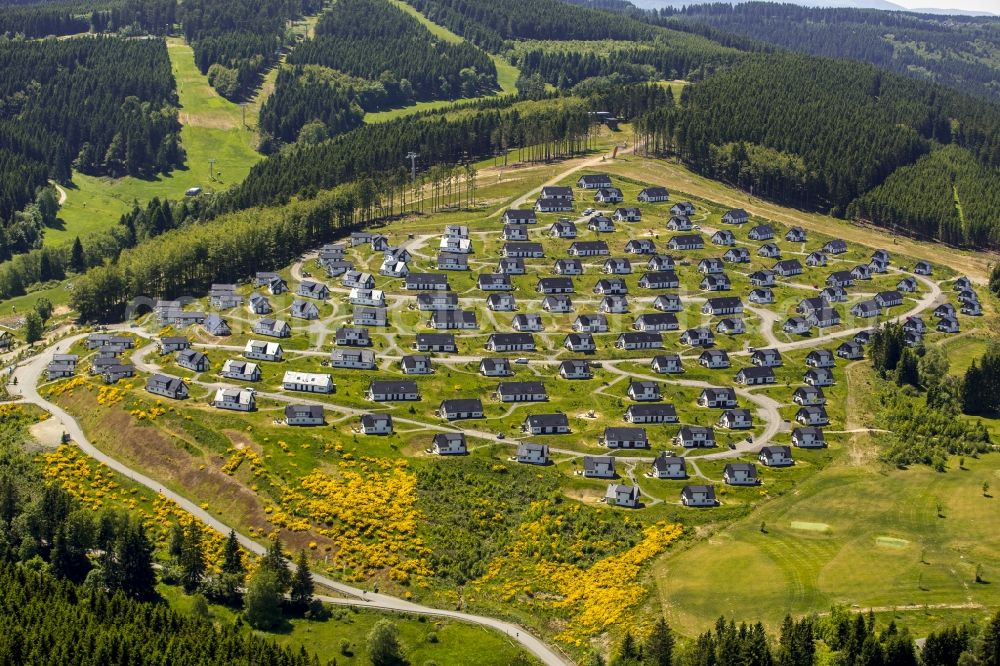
[94,486]
[538,566]
[369,512]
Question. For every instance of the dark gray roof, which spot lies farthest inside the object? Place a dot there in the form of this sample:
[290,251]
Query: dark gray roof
[748,468]
[462,405]
[617,433]
[511,338]
[652,409]
[663,462]
[436,338]
[393,386]
[547,420]
[517,388]
[313,411]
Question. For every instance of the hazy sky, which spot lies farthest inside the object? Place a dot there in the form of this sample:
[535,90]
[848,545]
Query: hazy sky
[992,6]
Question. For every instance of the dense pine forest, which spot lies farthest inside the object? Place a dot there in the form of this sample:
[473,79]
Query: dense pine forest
[368,55]
[102,105]
[946,194]
[313,103]
[235,41]
[820,133]
[56,622]
[679,57]
[131,17]
[838,637]
[372,150]
[375,40]
[488,23]
[960,52]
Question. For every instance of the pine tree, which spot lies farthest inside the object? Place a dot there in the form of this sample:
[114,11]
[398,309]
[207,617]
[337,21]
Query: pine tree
[906,369]
[628,651]
[176,545]
[302,584]
[232,556]
[192,558]
[33,327]
[134,555]
[756,649]
[78,261]
[232,575]
[899,650]
[275,562]
[972,397]
[871,653]
[59,559]
[989,652]
[659,648]
[9,499]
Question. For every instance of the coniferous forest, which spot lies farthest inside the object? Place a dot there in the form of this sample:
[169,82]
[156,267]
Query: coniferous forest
[947,50]
[102,105]
[235,41]
[368,55]
[375,40]
[56,19]
[821,133]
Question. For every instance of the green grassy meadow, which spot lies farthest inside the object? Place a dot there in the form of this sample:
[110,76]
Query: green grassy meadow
[852,535]
[212,128]
[424,639]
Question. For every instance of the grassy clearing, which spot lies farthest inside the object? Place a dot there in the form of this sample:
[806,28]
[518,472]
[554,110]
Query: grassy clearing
[964,350]
[456,643]
[212,128]
[816,537]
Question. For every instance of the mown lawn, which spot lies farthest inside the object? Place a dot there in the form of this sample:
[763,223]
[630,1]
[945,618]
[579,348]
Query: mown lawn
[848,535]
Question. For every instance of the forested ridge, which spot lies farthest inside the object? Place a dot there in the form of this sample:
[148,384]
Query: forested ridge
[679,57]
[960,52]
[821,133]
[72,17]
[489,23]
[235,41]
[371,150]
[375,40]
[102,105]
[946,194]
[368,55]
[327,101]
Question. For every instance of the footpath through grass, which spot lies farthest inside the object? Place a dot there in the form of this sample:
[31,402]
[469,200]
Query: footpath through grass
[212,128]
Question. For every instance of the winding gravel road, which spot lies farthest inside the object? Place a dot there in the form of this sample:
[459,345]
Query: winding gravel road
[28,375]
